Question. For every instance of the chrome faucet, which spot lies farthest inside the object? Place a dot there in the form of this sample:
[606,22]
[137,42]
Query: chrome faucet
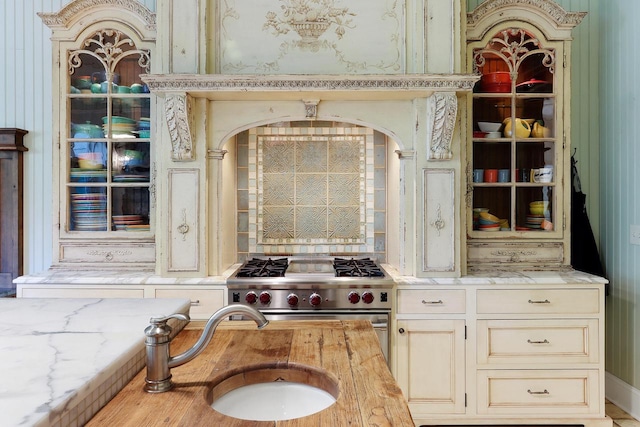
[159,361]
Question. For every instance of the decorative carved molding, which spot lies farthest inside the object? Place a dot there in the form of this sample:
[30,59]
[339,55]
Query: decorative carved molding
[515,45]
[405,154]
[311,108]
[554,11]
[216,154]
[298,83]
[438,223]
[444,122]
[177,113]
[183,228]
[65,16]
[109,46]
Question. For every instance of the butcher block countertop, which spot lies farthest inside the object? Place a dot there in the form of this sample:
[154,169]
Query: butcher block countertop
[333,353]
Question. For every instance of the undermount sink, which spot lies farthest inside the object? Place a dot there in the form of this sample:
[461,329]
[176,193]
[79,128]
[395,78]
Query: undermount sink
[274,394]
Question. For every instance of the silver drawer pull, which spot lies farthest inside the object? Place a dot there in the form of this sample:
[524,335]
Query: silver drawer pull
[432,302]
[195,302]
[538,392]
[539,302]
[538,342]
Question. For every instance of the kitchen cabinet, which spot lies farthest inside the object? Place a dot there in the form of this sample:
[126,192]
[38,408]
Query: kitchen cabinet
[521,349]
[519,135]
[103,183]
[431,365]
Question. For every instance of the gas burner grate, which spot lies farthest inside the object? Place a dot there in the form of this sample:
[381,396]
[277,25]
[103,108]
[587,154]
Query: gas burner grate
[264,268]
[363,267]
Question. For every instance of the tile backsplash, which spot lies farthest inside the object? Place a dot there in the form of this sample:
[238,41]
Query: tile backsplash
[311,190]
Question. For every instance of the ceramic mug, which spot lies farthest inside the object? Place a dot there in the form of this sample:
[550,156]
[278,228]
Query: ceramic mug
[543,175]
[504,175]
[478,175]
[491,175]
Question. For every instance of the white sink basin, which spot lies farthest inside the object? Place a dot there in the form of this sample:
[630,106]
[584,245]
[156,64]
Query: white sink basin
[273,393]
[274,401]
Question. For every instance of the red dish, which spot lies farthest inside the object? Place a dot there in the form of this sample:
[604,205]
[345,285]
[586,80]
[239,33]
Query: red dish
[496,82]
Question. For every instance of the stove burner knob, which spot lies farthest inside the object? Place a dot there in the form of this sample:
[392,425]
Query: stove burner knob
[315,299]
[251,297]
[292,299]
[367,297]
[354,297]
[265,297]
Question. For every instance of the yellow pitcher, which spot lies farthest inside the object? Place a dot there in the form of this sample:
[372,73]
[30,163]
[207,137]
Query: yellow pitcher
[523,128]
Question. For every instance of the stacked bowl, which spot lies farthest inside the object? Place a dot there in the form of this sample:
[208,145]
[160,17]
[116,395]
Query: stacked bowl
[488,222]
[538,212]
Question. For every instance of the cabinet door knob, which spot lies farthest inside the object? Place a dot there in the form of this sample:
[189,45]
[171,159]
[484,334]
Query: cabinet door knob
[401,330]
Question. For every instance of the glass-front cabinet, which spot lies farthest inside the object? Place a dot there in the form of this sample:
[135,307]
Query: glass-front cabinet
[517,161]
[103,119]
[108,144]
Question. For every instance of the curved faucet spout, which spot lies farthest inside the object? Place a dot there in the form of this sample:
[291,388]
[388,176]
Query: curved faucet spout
[210,328]
[157,340]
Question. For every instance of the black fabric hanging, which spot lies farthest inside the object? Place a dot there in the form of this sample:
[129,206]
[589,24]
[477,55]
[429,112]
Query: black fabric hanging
[584,251]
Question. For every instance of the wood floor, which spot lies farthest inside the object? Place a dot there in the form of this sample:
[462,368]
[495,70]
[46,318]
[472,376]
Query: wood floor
[620,417]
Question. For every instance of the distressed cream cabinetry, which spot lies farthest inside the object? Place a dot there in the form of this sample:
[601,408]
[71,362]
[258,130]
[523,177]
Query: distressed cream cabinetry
[519,174]
[205,298]
[104,189]
[519,350]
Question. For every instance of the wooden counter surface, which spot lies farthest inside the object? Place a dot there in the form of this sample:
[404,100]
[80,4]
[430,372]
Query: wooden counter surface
[346,352]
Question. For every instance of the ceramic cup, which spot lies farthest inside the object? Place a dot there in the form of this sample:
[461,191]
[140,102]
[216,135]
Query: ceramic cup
[504,175]
[491,175]
[478,175]
[543,175]
[523,175]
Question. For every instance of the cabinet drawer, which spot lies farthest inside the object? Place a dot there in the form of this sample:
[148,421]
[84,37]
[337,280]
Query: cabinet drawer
[538,393]
[500,253]
[421,301]
[107,254]
[204,302]
[77,292]
[538,341]
[538,301]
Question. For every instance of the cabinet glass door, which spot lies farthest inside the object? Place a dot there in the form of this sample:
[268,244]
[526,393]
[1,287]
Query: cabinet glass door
[108,140]
[515,152]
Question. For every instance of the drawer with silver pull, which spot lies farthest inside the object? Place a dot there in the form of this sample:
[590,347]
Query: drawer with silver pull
[538,301]
[537,393]
[431,301]
[561,341]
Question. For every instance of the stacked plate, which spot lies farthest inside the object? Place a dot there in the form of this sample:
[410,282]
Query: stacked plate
[534,221]
[89,211]
[121,127]
[129,223]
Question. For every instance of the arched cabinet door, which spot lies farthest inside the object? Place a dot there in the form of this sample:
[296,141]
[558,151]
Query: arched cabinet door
[105,187]
[518,151]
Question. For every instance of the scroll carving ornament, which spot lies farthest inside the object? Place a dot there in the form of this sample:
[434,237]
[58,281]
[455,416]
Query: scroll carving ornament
[177,108]
[66,15]
[446,108]
[551,8]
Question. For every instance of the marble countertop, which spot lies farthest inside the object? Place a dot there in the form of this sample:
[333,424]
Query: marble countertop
[61,360]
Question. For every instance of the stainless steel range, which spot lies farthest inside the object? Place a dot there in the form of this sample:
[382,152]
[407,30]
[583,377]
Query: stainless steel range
[312,288]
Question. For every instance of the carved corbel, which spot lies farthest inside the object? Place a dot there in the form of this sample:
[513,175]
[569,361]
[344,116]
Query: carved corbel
[311,108]
[445,109]
[178,110]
